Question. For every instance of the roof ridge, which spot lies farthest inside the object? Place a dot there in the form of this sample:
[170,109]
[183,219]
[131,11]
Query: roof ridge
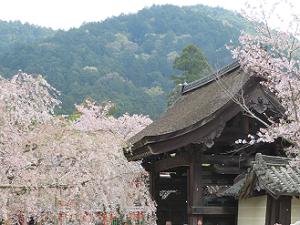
[205,80]
[260,155]
[271,160]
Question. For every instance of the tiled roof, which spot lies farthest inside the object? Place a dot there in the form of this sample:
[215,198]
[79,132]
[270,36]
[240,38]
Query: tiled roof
[234,190]
[276,175]
[272,174]
[213,190]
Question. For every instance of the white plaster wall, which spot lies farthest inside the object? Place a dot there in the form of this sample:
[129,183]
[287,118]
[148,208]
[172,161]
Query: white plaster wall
[295,210]
[252,211]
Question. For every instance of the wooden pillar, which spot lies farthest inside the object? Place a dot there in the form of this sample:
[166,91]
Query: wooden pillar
[278,210]
[195,188]
[245,124]
[154,184]
[285,210]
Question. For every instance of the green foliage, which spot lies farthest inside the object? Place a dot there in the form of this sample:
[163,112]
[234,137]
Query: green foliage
[154,91]
[193,65]
[126,59]
[12,33]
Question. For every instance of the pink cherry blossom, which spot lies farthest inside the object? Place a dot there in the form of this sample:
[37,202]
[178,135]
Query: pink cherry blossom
[51,164]
[273,55]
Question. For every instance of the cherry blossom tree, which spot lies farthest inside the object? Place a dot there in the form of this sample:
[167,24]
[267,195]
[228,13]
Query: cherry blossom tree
[272,53]
[96,117]
[54,167]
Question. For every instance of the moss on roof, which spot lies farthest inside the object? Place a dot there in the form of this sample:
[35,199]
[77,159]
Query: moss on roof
[196,105]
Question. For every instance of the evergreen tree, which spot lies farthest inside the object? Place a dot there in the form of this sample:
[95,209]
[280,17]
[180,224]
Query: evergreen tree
[192,63]
[126,59]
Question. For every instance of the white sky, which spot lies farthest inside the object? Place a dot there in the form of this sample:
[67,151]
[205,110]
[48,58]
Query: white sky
[65,14]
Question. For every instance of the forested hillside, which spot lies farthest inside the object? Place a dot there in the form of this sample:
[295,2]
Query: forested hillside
[126,59]
[12,33]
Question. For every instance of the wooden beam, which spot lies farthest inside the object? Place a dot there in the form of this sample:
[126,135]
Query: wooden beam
[205,181]
[195,134]
[185,160]
[227,160]
[214,210]
[220,182]
[231,134]
[226,169]
[172,162]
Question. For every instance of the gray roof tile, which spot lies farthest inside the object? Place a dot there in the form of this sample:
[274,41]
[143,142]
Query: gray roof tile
[273,174]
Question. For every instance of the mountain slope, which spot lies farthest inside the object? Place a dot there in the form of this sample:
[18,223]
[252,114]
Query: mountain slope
[12,33]
[126,59]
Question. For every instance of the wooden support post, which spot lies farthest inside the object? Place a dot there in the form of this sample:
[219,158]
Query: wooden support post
[195,188]
[245,124]
[278,210]
[285,210]
[154,184]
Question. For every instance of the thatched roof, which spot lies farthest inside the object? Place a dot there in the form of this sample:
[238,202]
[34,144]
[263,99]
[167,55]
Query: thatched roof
[272,174]
[196,106]
[197,101]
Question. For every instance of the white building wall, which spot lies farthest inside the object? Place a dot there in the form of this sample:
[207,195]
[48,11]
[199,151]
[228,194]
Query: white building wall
[252,211]
[295,211]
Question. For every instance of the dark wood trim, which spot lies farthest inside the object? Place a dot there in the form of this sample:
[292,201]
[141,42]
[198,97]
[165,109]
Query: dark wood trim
[226,169]
[246,124]
[212,77]
[195,134]
[214,210]
[198,134]
[195,186]
[285,210]
[154,181]
[172,162]
[226,160]
[278,210]
[230,163]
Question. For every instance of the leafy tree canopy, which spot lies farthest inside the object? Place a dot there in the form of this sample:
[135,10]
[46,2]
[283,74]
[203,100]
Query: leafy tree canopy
[126,59]
[192,63]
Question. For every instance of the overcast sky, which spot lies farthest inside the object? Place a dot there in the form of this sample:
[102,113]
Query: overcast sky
[72,13]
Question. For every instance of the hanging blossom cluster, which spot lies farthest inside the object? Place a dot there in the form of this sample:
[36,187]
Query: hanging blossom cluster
[96,117]
[24,102]
[59,171]
[273,55]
